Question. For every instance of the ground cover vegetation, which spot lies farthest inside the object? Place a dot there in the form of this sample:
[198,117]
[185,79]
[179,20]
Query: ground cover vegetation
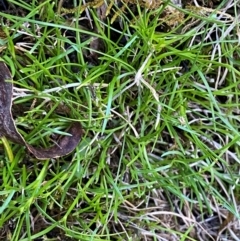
[154,85]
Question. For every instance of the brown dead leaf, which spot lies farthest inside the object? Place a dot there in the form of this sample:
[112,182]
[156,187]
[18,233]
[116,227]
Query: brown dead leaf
[8,129]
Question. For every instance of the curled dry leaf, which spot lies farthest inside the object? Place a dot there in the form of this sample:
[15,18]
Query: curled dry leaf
[8,129]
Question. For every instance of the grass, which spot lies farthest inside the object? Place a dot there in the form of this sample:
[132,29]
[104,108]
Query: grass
[159,158]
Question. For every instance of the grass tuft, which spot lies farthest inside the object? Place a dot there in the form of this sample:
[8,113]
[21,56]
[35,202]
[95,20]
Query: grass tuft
[159,106]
